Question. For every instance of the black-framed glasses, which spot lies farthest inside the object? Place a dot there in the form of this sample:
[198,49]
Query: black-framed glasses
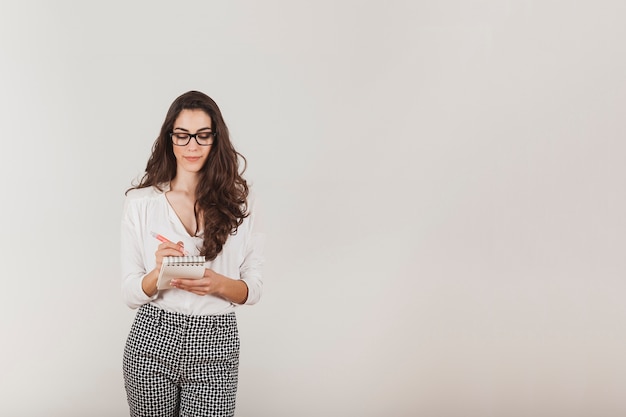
[202,138]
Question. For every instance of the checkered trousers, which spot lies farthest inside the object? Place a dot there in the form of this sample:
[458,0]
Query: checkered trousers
[180,365]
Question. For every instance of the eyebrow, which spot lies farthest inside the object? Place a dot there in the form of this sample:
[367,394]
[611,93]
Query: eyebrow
[199,130]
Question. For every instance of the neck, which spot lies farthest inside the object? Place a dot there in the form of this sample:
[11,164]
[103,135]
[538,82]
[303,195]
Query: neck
[185,182]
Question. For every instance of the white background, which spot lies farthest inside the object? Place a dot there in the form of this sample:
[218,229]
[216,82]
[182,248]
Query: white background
[443,184]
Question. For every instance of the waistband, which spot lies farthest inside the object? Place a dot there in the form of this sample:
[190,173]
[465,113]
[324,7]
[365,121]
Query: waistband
[186,320]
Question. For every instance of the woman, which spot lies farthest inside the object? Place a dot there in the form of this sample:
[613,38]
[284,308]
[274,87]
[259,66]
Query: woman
[182,353]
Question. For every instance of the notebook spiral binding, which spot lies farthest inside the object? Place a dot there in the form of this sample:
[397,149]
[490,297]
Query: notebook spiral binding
[183,260]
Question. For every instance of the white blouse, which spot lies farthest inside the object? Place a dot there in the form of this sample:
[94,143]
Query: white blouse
[147,210]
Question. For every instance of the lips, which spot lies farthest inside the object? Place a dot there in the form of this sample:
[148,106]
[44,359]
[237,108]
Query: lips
[192,158]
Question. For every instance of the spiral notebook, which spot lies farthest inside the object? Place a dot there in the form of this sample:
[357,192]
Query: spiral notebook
[180,267]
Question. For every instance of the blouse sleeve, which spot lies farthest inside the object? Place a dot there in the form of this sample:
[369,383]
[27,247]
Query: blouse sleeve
[132,263]
[251,267]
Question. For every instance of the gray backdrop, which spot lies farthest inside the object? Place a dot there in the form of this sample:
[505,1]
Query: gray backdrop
[443,184]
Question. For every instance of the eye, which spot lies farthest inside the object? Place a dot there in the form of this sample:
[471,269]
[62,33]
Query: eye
[181,136]
[205,135]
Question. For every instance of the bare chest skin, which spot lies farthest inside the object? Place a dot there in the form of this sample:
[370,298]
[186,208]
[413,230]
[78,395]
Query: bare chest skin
[183,205]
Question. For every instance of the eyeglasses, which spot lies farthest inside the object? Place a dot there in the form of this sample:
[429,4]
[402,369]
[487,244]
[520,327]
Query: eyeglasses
[183,139]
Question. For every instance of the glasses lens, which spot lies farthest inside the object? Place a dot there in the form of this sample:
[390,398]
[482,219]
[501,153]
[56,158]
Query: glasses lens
[205,138]
[180,138]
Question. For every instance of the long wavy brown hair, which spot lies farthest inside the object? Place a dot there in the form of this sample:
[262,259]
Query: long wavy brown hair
[222,192]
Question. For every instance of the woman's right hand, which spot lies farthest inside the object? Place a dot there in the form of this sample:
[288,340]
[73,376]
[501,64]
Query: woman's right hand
[149,283]
[168,249]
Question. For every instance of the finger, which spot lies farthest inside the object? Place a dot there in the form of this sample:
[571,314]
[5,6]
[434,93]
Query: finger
[181,248]
[171,245]
[191,283]
[169,249]
[198,291]
[195,286]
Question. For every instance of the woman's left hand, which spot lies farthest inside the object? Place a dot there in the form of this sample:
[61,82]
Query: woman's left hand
[210,283]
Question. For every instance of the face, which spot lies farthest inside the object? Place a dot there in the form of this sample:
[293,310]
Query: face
[192,156]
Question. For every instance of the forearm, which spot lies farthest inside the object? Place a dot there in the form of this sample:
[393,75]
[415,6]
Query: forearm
[149,283]
[233,290]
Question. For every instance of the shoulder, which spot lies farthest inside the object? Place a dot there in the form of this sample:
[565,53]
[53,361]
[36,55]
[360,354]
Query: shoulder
[142,197]
[145,193]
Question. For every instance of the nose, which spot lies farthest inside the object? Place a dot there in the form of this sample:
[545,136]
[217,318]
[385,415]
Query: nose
[193,141]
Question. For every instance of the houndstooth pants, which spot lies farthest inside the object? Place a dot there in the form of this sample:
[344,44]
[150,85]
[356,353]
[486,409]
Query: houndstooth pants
[180,365]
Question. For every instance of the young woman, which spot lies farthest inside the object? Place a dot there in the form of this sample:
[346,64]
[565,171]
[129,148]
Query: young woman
[182,353]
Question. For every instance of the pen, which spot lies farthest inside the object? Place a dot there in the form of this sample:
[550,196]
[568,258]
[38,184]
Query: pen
[164,239]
